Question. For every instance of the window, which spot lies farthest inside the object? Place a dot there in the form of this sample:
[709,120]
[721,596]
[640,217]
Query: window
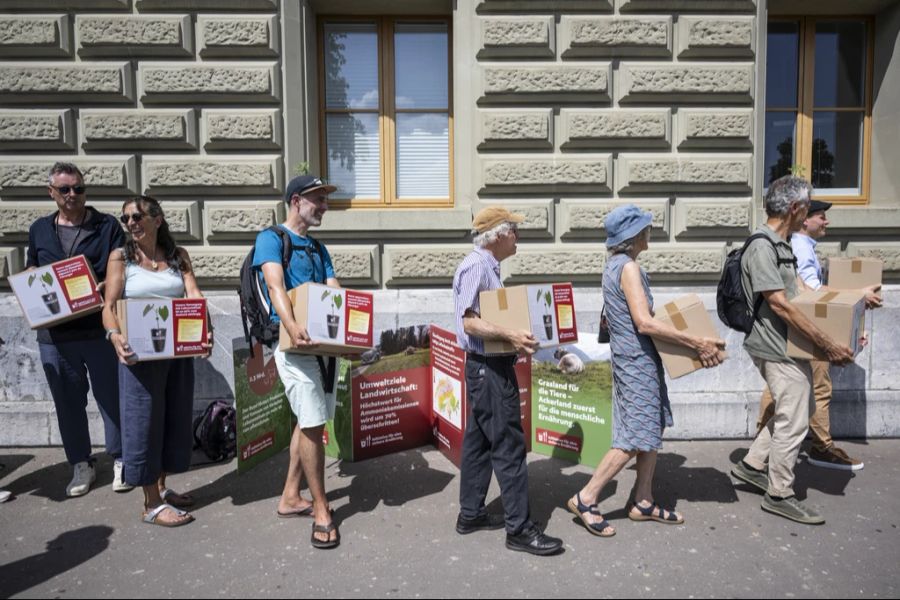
[819,104]
[386,114]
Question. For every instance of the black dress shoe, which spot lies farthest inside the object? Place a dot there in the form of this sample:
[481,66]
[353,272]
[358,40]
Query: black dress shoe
[533,541]
[484,522]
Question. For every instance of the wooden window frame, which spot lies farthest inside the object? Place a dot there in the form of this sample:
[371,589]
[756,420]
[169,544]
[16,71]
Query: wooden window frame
[387,111]
[806,101]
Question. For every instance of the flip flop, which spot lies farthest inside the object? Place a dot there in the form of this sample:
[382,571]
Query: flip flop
[186,500]
[152,516]
[646,514]
[293,514]
[321,544]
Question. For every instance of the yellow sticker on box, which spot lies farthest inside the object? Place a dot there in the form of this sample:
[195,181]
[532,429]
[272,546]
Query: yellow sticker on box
[359,322]
[189,330]
[78,287]
[564,311]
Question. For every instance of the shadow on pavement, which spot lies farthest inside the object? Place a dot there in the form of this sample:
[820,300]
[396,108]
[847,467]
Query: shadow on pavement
[50,482]
[63,553]
[392,480]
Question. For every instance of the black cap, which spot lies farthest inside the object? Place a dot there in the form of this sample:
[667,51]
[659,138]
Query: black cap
[817,205]
[304,184]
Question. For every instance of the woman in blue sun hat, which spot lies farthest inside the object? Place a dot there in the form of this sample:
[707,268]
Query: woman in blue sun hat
[641,409]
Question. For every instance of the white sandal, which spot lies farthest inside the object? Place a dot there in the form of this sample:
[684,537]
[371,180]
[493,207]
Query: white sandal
[152,516]
[166,492]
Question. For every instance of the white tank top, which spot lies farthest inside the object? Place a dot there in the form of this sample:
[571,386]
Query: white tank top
[141,283]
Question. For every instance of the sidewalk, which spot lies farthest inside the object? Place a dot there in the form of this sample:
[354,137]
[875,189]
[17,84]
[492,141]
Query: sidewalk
[397,514]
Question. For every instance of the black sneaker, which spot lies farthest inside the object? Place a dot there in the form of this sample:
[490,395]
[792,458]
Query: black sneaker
[485,522]
[533,541]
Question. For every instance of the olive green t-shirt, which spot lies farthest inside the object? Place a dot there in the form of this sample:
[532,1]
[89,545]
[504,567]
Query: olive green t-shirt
[760,272]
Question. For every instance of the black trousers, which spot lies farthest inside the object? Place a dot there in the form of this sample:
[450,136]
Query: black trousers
[494,441]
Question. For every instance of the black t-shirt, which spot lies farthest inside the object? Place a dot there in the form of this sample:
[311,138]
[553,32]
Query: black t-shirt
[99,235]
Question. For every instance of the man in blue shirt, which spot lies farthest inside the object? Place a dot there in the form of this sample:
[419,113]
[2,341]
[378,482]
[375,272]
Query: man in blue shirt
[311,397]
[823,452]
[73,351]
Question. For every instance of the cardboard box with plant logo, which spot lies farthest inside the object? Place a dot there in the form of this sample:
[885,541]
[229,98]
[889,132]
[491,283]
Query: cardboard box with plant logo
[839,314]
[686,314]
[547,311]
[162,328]
[338,320]
[58,292]
[854,273]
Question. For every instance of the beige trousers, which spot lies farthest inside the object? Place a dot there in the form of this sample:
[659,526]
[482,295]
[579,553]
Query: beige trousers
[778,443]
[820,422]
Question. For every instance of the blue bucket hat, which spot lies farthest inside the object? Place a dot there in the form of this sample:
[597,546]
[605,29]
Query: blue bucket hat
[625,222]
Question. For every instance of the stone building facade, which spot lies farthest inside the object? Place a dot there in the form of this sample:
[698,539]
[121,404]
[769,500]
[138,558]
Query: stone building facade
[561,109]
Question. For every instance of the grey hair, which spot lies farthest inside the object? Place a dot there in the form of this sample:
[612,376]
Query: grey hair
[628,245]
[64,167]
[490,236]
[783,192]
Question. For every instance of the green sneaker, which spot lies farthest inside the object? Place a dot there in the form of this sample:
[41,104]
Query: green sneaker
[793,509]
[757,479]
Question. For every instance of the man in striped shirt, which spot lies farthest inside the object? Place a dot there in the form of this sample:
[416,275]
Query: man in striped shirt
[494,439]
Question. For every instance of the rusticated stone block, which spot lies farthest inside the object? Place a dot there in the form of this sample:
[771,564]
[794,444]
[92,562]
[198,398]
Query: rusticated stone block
[712,217]
[158,129]
[30,36]
[12,261]
[514,173]
[221,264]
[236,5]
[66,82]
[585,219]
[703,128]
[237,36]
[700,262]
[37,130]
[236,175]
[525,6]
[134,35]
[102,174]
[209,82]
[686,82]
[688,5]
[242,129]
[825,250]
[615,36]
[522,37]
[225,220]
[183,219]
[506,129]
[356,265]
[542,262]
[423,264]
[889,252]
[685,172]
[66,4]
[716,37]
[526,83]
[615,128]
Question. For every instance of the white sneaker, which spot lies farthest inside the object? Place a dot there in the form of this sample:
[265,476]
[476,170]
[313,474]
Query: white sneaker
[4,496]
[82,478]
[118,484]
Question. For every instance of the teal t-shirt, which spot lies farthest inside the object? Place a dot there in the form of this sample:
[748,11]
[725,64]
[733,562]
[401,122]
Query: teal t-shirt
[307,264]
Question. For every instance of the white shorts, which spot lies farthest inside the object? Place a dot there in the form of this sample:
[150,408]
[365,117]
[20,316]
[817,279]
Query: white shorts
[302,380]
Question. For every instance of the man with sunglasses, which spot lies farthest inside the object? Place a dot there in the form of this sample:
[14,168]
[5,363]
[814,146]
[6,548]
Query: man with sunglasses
[75,355]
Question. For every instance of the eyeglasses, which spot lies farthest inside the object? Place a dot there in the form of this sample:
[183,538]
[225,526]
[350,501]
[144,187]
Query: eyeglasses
[65,189]
[136,217]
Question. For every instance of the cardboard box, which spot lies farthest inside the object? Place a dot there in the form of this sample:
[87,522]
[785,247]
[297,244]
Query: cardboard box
[854,273]
[687,314]
[839,314]
[546,310]
[163,328]
[337,319]
[58,292]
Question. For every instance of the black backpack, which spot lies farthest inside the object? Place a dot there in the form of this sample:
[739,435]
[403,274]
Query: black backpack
[255,313]
[731,302]
[215,431]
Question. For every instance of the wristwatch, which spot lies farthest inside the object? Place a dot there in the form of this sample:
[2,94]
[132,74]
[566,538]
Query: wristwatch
[110,332]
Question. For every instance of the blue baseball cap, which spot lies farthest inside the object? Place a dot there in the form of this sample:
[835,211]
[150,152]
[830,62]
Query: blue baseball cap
[625,222]
[304,184]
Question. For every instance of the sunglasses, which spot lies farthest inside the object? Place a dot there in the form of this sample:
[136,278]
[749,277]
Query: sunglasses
[65,189]
[136,217]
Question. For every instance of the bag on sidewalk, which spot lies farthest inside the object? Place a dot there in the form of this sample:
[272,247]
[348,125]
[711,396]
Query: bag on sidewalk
[215,431]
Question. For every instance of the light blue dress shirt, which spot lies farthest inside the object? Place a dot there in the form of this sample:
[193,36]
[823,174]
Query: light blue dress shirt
[807,262]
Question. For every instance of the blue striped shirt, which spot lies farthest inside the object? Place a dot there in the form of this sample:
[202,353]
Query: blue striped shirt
[478,272]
